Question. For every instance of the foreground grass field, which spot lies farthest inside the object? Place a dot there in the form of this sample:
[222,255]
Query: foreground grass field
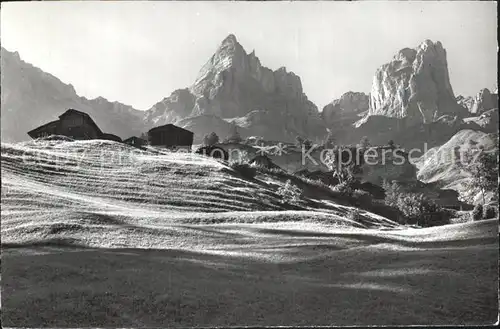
[260,274]
[102,243]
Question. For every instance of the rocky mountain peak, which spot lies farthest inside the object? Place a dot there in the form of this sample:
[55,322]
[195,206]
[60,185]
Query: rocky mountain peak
[231,38]
[230,47]
[415,85]
[345,110]
[484,100]
[234,84]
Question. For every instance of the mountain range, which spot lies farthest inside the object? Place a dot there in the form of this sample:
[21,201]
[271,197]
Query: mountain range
[233,88]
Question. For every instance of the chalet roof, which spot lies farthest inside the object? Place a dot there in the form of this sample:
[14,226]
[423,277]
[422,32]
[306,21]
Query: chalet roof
[85,115]
[69,111]
[168,126]
[43,126]
[133,137]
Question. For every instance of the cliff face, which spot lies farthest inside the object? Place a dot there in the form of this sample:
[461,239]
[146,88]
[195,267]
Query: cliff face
[415,85]
[31,97]
[345,110]
[441,163]
[234,86]
[484,101]
[466,101]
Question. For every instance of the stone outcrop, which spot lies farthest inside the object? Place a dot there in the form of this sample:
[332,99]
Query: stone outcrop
[488,121]
[441,164]
[171,109]
[484,101]
[233,85]
[415,85]
[346,110]
[466,102]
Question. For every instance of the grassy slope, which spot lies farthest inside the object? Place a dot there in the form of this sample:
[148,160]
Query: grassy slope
[84,189]
[441,164]
[73,249]
[261,274]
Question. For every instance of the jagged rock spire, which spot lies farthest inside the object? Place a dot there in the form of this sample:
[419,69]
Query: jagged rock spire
[415,85]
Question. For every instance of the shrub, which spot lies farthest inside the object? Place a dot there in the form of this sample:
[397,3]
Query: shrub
[380,208]
[355,215]
[415,207]
[344,189]
[363,197]
[245,170]
[234,136]
[289,193]
[213,151]
[489,212]
[477,212]
[364,143]
[210,139]
[241,159]
[392,193]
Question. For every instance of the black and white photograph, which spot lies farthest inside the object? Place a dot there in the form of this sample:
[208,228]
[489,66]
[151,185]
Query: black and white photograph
[170,164]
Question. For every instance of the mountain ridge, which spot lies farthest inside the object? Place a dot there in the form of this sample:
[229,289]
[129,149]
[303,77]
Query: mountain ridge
[234,84]
[26,87]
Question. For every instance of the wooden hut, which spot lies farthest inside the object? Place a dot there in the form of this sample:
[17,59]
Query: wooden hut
[170,136]
[111,137]
[72,123]
[135,141]
[45,130]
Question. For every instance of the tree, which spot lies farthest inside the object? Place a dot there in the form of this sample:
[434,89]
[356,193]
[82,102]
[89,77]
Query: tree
[299,141]
[344,172]
[144,136]
[210,139]
[234,135]
[483,168]
[392,193]
[289,193]
[329,141]
[364,142]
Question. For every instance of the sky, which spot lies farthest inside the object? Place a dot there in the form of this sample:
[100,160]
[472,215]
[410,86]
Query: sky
[137,53]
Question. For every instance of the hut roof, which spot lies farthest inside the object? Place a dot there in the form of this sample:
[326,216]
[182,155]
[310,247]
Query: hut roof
[111,137]
[42,127]
[134,138]
[85,115]
[168,126]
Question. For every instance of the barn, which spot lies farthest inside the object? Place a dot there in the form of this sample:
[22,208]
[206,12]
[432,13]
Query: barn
[135,141]
[46,130]
[72,123]
[111,137]
[170,136]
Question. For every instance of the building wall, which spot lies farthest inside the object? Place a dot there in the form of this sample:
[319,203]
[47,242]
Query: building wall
[46,131]
[77,126]
[171,137]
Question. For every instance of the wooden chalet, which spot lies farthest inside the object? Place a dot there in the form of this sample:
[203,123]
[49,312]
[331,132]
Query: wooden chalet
[74,124]
[111,137]
[135,141]
[170,136]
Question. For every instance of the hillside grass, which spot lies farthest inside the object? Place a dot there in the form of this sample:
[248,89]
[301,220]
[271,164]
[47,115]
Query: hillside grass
[159,239]
[52,183]
[259,275]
